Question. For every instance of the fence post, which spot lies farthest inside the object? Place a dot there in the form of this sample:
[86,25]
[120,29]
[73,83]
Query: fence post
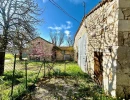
[65,67]
[26,84]
[13,77]
[44,68]
[38,74]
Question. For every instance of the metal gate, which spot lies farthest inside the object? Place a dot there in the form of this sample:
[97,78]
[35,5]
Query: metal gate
[82,57]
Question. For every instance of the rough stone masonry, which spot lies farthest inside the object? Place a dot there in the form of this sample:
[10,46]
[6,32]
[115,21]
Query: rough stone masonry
[107,30]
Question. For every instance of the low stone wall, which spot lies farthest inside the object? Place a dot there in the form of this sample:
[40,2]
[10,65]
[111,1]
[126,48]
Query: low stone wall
[108,31]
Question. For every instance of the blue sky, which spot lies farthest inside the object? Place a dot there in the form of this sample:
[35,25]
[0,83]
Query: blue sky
[56,20]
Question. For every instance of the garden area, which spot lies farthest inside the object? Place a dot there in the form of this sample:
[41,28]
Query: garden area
[35,80]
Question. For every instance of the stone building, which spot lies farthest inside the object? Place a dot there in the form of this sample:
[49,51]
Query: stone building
[64,53]
[38,49]
[102,46]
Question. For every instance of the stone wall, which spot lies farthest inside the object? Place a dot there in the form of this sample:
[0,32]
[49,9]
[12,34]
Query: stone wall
[123,53]
[108,31]
[41,46]
[61,53]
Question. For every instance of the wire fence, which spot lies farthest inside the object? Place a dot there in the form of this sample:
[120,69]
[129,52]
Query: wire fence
[19,77]
[46,80]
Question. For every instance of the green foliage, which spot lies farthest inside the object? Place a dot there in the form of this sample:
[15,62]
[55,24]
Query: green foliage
[19,90]
[9,56]
[66,69]
[19,79]
[8,77]
[32,63]
[6,95]
[31,77]
[87,89]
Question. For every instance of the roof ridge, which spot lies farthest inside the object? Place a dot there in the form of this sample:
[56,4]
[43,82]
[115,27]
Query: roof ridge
[42,39]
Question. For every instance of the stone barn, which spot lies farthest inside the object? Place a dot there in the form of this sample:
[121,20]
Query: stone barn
[102,46]
[38,49]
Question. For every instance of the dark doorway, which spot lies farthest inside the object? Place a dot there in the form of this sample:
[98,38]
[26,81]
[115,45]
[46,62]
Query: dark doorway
[98,68]
[53,56]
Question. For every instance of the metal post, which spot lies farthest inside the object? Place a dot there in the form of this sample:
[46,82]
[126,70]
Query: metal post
[44,68]
[13,77]
[26,74]
[65,68]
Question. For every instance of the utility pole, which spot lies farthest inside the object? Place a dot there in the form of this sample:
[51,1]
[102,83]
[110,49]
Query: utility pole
[84,5]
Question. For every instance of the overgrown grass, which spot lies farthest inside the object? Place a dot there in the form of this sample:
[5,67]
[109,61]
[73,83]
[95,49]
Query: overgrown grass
[70,70]
[64,69]
[86,86]
[19,78]
[9,56]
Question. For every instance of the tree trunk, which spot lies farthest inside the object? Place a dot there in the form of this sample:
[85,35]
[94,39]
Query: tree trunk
[2,59]
[20,56]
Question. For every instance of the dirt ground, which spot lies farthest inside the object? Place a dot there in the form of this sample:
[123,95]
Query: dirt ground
[59,89]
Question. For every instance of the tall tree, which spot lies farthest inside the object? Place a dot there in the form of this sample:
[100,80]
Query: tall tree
[11,13]
[57,38]
[61,38]
[21,36]
[69,41]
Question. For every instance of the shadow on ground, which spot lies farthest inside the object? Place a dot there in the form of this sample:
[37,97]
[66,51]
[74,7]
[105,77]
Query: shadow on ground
[65,88]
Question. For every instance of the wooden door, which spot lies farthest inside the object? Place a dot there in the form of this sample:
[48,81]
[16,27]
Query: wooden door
[98,68]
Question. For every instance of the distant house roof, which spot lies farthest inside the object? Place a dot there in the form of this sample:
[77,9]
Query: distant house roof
[95,8]
[42,39]
[66,48]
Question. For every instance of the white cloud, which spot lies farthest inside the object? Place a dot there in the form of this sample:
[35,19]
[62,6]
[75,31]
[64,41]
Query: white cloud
[66,26]
[68,22]
[67,32]
[51,27]
[55,28]
[44,1]
[77,1]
